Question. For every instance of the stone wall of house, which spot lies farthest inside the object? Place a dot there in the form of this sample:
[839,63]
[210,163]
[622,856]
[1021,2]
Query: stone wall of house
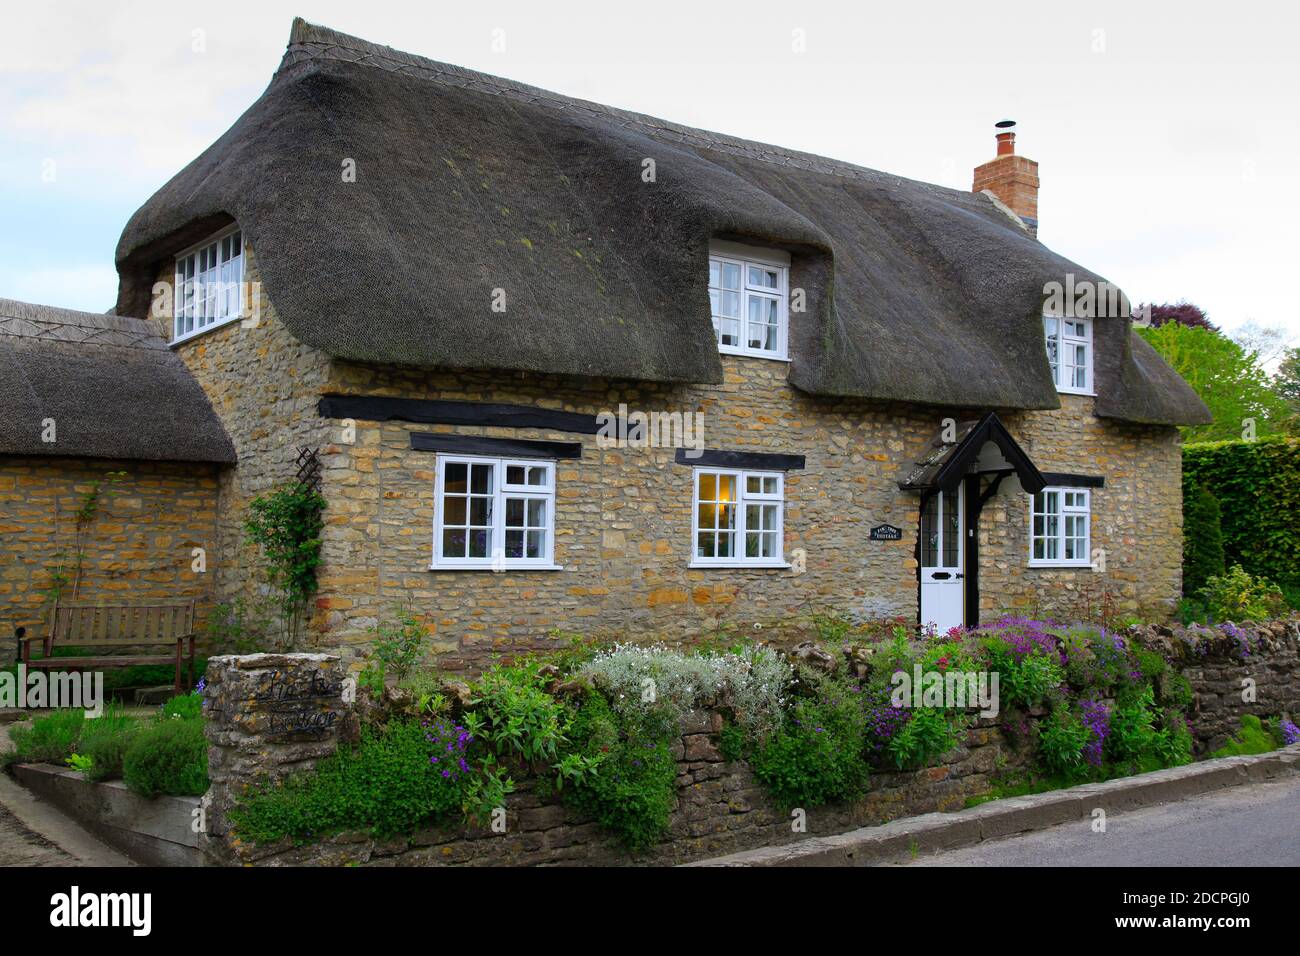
[623,524]
[264,385]
[137,543]
[1137,517]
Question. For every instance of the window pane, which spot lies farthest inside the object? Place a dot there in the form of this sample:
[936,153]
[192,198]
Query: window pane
[538,476]
[515,474]
[514,512]
[536,544]
[715,273]
[726,544]
[514,544]
[480,512]
[454,477]
[762,324]
[481,479]
[730,305]
[726,516]
[478,543]
[726,487]
[930,533]
[536,514]
[951,533]
[730,275]
[453,543]
[763,278]
[453,511]
[704,544]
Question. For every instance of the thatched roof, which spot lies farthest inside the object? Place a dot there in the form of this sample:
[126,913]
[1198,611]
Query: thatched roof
[110,384]
[468,183]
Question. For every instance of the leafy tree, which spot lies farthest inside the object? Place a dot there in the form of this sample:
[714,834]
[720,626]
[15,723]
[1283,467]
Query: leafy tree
[1227,377]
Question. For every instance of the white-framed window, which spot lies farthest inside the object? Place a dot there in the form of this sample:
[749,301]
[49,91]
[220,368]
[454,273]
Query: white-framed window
[1060,533]
[738,518]
[1069,352]
[494,513]
[749,298]
[209,285]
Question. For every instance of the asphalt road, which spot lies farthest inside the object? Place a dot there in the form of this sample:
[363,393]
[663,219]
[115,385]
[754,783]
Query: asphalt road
[1251,825]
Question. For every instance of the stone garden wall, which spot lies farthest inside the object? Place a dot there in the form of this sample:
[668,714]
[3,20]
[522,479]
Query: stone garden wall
[1257,671]
[271,714]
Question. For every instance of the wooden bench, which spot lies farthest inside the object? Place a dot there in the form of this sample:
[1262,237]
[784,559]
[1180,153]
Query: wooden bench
[120,626]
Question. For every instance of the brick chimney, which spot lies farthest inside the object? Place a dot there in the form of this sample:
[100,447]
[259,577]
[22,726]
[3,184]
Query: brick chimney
[1013,179]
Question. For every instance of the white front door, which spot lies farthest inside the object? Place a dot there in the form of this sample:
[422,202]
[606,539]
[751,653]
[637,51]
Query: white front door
[943,591]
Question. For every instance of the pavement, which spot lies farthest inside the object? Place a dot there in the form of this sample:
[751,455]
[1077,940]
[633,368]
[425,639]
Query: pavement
[1248,826]
[34,833]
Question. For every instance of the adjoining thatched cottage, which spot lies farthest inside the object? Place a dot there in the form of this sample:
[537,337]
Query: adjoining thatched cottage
[109,462]
[572,367]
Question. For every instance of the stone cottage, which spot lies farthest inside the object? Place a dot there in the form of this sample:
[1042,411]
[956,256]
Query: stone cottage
[569,367]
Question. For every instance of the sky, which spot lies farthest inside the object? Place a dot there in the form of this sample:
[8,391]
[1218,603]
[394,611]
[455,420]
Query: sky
[1167,135]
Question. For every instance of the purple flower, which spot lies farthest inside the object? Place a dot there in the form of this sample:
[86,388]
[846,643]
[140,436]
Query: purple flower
[1290,732]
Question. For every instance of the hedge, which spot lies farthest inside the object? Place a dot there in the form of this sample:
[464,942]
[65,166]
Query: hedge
[1257,486]
[1202,538]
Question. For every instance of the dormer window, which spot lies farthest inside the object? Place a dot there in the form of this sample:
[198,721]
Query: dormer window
[209,285]
[1069,352]
[749,297]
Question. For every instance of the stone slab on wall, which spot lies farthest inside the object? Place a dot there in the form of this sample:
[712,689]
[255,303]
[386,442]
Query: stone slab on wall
[267,715]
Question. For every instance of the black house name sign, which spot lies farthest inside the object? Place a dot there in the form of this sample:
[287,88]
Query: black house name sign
[886,532]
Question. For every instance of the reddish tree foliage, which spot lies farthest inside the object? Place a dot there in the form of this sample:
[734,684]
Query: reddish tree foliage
[1184,313]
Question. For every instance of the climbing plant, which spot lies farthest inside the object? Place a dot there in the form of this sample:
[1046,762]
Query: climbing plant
[286,524]
[66,575]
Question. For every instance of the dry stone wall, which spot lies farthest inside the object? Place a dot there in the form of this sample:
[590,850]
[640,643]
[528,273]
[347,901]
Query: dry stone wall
[272,714]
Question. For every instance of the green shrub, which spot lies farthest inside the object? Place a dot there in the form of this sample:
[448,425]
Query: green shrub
[1061,739]
[167,756]
[632,784]
[1240,596]
[1133,728]
[1202,538]
[398,646]
[817,755]
[516,717]
[104,742]
[1174,741]
[386,784]
[928,735]
[183,706]
[1023,681]
[1252,738]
